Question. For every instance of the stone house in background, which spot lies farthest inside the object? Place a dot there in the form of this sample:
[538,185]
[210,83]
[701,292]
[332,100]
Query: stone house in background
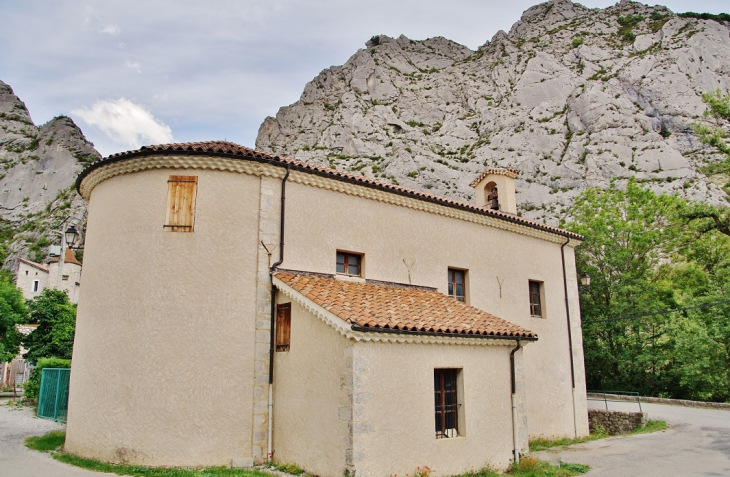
[32,278]
[341,323]
[16,372]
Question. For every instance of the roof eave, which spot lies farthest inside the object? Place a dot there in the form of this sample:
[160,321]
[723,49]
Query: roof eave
[372,329]
[279,162]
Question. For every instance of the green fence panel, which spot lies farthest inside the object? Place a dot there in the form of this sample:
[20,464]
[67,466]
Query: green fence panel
[53,398]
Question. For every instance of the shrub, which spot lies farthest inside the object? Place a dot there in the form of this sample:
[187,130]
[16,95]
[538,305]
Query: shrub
[33,386]
[577,41]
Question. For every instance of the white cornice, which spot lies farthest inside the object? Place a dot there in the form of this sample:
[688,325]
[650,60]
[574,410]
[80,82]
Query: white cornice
[243,166]
[342,327]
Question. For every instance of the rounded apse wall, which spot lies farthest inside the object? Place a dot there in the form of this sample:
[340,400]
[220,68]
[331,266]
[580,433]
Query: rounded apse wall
[163,356]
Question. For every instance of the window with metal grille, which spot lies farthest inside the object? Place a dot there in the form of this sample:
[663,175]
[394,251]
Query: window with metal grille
[535,301]
[349,264]
[444,383]
[457,284]
[181,194]
[283,326]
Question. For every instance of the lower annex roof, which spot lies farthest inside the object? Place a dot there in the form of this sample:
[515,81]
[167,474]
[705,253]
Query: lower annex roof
[371,307]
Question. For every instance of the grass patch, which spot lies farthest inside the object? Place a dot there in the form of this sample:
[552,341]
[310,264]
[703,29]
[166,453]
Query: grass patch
[47,443]
[542,443]
[288,468]
[53,441]
[531,467]
[651,426]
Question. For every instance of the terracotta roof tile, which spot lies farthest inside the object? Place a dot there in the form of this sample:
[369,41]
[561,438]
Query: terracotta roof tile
[499,171]
[39,266]
[399,308]
[70,257]
[232,149]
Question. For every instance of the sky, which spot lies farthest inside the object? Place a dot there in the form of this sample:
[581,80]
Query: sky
[133,72]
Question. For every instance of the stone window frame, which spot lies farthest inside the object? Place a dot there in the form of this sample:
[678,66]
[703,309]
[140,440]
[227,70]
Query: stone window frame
[346,264]
[452,283]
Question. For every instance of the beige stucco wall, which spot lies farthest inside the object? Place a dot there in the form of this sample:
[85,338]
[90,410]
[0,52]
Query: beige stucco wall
[395,430]
[389,235]
[312,393]
[163,355]
[368,407]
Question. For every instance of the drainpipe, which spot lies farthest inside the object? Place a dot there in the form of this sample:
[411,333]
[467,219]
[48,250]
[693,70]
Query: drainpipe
[272,335]
[514,401]
[570,334]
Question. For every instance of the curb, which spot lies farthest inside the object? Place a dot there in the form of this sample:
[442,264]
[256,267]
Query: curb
[656,400]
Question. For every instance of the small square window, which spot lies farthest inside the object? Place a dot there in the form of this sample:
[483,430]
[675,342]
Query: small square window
[349,264]
[457,284]
[535,289]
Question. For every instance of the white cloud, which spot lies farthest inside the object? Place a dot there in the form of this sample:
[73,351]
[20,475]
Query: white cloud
[134,65]
[126,123]
[112,30]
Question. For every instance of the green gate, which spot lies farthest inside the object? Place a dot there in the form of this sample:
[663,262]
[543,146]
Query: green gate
[53,398]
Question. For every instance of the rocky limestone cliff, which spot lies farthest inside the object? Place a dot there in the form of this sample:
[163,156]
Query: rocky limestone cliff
[38,167]
[572,97]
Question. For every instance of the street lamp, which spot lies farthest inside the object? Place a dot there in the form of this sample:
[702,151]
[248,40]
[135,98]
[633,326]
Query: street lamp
[585,279]
[70,235]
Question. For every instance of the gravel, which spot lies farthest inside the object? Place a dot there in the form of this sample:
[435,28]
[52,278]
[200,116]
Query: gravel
[16,424]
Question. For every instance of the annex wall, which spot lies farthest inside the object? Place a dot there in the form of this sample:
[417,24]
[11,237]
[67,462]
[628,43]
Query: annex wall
[312,396]
[404,245]
[394,425]
[163,355]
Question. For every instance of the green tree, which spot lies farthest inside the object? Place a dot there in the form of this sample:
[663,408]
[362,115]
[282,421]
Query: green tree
[12,312]
[706,217]
[629,234]
[656,318]
[56,318]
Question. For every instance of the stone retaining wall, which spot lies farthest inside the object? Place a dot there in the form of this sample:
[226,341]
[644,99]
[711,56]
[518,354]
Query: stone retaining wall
[656,400]
[615,422]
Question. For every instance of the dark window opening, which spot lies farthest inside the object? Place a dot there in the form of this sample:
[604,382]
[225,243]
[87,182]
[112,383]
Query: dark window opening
[349,264]
[457,284]
[535,302]
[493,199]
[444,381]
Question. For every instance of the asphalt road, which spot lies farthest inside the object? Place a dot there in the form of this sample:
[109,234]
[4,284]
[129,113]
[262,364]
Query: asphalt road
[17,423]
[697,443]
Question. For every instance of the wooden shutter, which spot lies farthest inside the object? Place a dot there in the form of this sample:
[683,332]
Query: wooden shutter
[283,326]
[181,193]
